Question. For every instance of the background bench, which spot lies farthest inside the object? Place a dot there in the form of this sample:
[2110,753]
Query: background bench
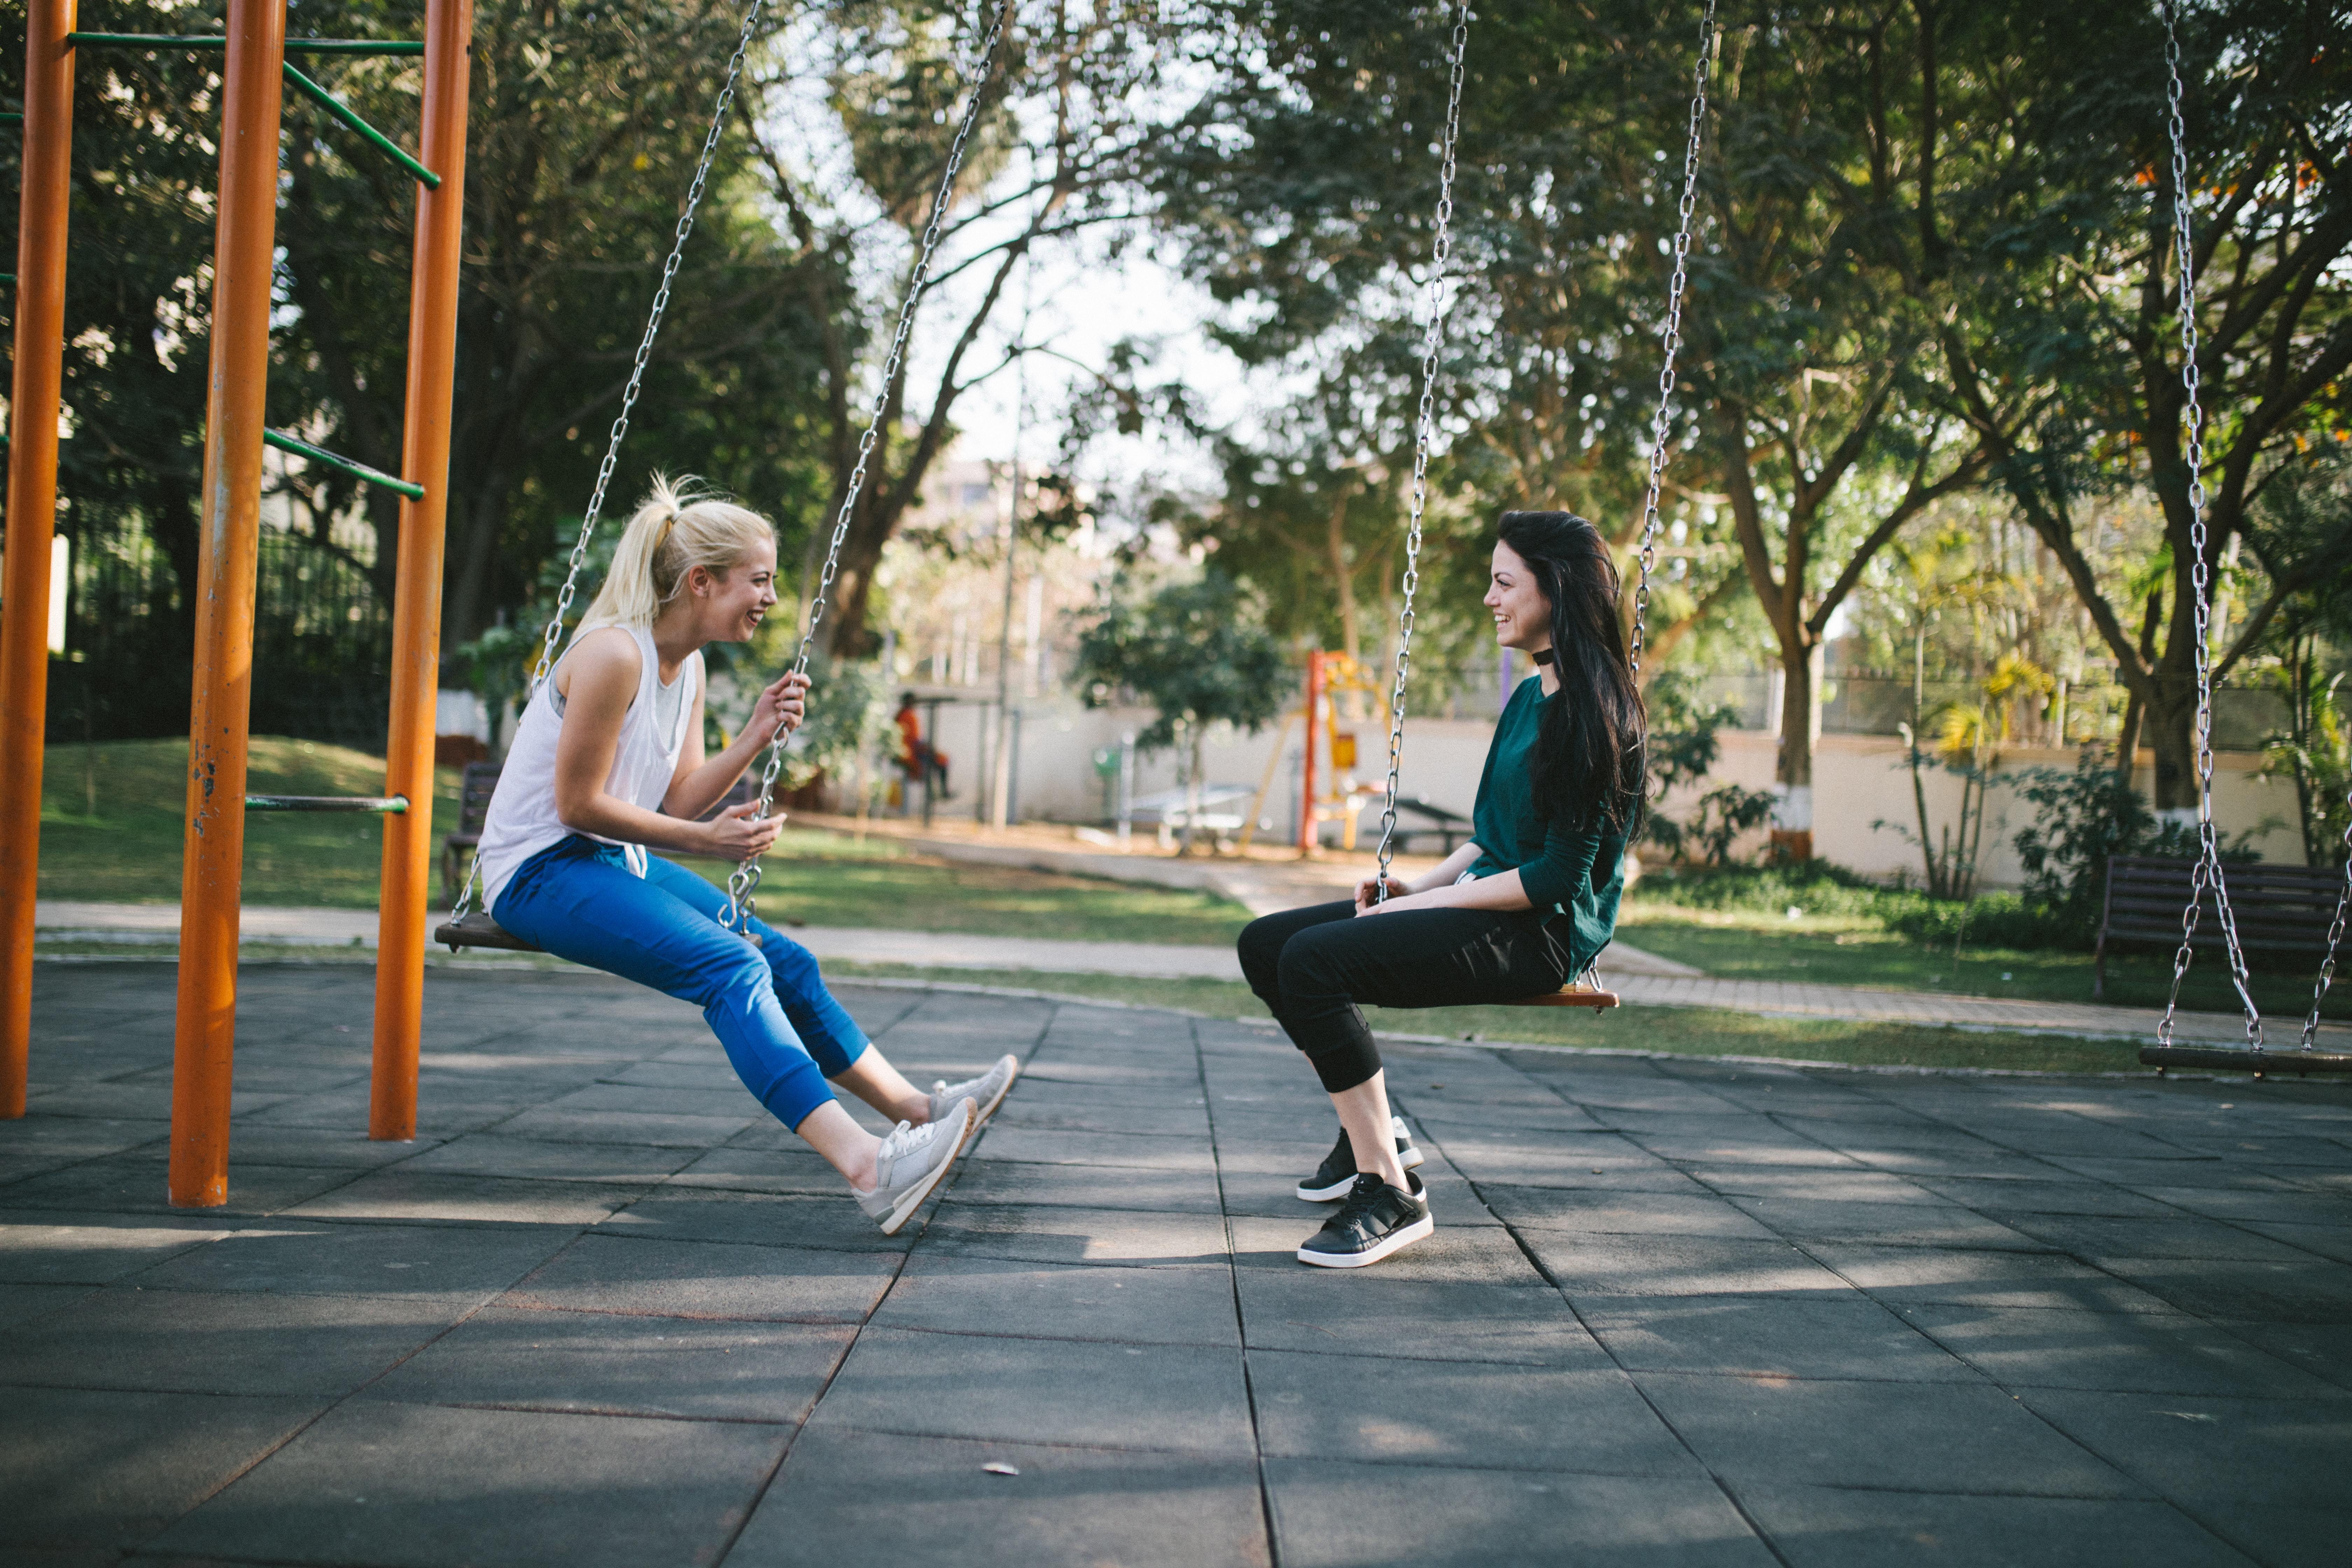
[2279,909]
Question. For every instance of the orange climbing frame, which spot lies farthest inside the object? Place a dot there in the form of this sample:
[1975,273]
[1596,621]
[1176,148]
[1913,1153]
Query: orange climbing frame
[34,406]
[416,606]
[229,540]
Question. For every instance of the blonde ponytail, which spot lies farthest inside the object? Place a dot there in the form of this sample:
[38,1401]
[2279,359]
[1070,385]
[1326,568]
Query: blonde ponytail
[676,530]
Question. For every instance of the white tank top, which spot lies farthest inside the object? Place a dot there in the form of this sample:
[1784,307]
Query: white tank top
[522,819]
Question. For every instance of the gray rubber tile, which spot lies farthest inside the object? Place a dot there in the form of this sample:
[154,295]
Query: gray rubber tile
[725,1101]
[1620,1212]
[1269,1195]
[1838,1527]
[1562,1160]
[1813,1184]
[1096,1187]
[759,1219]
[137,1183]
[2265,1474]
[319,1259]
[1769,1336]
[1481,1254]
[872,1497]
[1904,1275]
[93,1250]
[1045,1234]
[1336,1515]
[1137,1150]
[1475,1414]
[412,1486]
[23,1303]
[1167,1119]
[654,1130]
[707,1072]
[2022,1197]
[1939,1225]
[1176,1305]
[2309,1291]
[347,1148]
[2122,1352]
[496,1155]
[80,1468]
[619,1365]
[1182,1397]
[1585,1264]
[216,1342]
[2332,1241]
[1375,1312]
[601,1273]
[2176,1236]
[1900,1436]
[407,1197]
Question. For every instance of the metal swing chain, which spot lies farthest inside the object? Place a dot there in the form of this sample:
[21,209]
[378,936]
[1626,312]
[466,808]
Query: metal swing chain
[1673,340]
[1424,424]
[2334,936]
[2208,870]
[744,881]
[555,632]
[1658,425]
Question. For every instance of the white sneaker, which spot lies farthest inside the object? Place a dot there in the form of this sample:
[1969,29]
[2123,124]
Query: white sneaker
[909,1164]
[986,1092]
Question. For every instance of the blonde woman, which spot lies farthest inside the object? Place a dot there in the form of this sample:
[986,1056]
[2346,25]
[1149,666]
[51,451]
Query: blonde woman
[607,766]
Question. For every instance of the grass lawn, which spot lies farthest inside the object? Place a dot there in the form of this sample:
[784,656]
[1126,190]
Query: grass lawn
[1858,950]
[1679,1031]
[129,852]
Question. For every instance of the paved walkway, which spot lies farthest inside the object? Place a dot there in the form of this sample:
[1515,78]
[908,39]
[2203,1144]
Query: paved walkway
[603,1311]
[1640,978]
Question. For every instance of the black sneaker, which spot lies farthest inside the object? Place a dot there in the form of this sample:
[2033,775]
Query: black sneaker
[1375,1221]
[1337,1174]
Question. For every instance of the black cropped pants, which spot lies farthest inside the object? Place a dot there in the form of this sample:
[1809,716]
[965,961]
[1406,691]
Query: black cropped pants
[1315,967]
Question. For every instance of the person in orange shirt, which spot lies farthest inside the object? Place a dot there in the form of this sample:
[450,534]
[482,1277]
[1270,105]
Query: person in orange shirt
[915,752]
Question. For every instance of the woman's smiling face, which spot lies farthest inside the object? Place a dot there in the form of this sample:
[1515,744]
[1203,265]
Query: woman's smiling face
[732,606]
[1522,614]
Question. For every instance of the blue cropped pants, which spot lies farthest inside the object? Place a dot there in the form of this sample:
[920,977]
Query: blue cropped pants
[783,1032]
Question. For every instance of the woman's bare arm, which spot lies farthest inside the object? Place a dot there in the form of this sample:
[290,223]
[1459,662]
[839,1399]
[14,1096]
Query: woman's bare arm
[598,681]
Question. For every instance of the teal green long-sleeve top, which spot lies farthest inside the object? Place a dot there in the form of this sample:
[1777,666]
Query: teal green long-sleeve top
[1576,873]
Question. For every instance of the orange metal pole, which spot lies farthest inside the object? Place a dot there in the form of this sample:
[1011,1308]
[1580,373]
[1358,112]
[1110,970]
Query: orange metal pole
[34,403]
[1307,824]
[212,861]
[416,604]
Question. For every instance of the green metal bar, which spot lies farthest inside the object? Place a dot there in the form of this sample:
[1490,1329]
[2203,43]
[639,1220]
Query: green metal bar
[344,112]
[342,465]
[376,805]
[12,120]
[208,42]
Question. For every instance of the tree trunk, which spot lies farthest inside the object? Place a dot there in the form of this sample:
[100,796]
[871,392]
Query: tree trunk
[1793,774]
[1343,574]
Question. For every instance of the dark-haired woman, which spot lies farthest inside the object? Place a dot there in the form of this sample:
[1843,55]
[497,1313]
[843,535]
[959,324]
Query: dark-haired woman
[1515,914]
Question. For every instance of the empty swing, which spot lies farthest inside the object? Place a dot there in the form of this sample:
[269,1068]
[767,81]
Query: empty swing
[2207,873]
[466,927]
[1586,990]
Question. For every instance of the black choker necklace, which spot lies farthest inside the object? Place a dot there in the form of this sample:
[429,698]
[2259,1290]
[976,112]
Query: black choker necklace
[1543,656]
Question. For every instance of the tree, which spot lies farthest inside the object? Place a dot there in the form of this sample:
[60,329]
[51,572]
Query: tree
[2059,274]
[1064,124]
[1199,653]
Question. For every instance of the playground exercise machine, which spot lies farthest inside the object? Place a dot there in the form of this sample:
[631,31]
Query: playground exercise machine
[255,77]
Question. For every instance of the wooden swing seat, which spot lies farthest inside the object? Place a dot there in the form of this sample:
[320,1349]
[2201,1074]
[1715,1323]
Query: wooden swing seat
[1591,997]
[478,930]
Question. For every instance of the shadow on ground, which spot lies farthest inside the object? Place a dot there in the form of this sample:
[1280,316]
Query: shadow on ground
[604,1310]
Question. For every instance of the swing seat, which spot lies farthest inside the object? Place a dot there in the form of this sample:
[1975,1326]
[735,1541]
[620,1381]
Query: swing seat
[477,930]
[1573,996]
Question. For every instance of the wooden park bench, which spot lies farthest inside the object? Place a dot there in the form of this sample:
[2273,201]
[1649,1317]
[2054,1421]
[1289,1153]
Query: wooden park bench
[2279,909]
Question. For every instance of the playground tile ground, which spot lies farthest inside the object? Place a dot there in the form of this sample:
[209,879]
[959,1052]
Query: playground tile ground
[1676,1312]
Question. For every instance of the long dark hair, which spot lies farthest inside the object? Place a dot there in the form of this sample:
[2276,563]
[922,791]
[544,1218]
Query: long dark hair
[1588,761]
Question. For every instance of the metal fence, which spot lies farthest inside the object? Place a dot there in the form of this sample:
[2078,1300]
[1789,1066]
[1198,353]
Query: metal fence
[321,646]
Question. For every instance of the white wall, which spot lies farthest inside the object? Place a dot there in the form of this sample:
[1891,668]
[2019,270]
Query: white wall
[1857,780]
